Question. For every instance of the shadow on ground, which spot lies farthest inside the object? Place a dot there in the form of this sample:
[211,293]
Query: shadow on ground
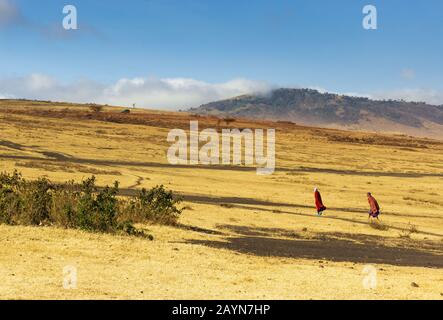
[259,205]
[60,157]
[337,247]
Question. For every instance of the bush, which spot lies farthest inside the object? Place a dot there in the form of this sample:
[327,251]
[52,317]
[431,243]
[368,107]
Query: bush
[156,205]
[64,205]
[83,207]
[96,108]
[97,211]
[10,202]
[36,202]
[23,202]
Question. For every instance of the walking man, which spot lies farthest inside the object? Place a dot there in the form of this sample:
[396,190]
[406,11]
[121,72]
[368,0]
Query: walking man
[374,208]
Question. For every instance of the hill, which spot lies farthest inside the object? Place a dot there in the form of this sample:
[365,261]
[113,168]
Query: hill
[310,107]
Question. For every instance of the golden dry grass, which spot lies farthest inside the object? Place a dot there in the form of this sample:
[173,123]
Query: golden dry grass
[244,236]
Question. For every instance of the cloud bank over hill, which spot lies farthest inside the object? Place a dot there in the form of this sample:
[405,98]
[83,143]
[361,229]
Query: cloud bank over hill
[164,93]
[168,93]
[429,96]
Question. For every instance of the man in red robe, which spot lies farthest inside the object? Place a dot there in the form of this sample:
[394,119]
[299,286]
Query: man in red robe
[374,208]
[318,202]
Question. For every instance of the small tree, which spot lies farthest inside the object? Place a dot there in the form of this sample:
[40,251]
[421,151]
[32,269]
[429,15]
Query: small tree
[228,121]
[96,108]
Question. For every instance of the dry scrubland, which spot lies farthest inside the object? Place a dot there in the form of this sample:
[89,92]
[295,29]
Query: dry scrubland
[242,236]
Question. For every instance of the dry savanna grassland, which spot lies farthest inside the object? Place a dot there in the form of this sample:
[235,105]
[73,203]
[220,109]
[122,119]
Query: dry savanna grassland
[242,235]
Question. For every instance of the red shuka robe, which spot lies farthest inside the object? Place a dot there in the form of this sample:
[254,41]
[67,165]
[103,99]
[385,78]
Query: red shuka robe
[373,204]
[318,202]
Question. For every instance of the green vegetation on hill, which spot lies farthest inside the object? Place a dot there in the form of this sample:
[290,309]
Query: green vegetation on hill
[313,107]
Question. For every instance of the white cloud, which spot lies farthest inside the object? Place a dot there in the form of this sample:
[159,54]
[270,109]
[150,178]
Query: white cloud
[176,93]
[430,96]
[408,74]
[169,93]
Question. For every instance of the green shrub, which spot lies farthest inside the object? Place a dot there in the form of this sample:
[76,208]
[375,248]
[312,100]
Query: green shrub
[155,205]
[83,206]
[23,202]
[97,211]
[10,202]
[64,206]
[36,201]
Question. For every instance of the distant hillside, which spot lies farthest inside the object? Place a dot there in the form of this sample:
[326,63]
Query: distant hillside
[310,107]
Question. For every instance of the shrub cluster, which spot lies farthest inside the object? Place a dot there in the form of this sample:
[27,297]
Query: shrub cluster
[156,205]
[83,206]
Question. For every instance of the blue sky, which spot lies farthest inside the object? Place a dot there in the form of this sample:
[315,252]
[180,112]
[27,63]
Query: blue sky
[174,53]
